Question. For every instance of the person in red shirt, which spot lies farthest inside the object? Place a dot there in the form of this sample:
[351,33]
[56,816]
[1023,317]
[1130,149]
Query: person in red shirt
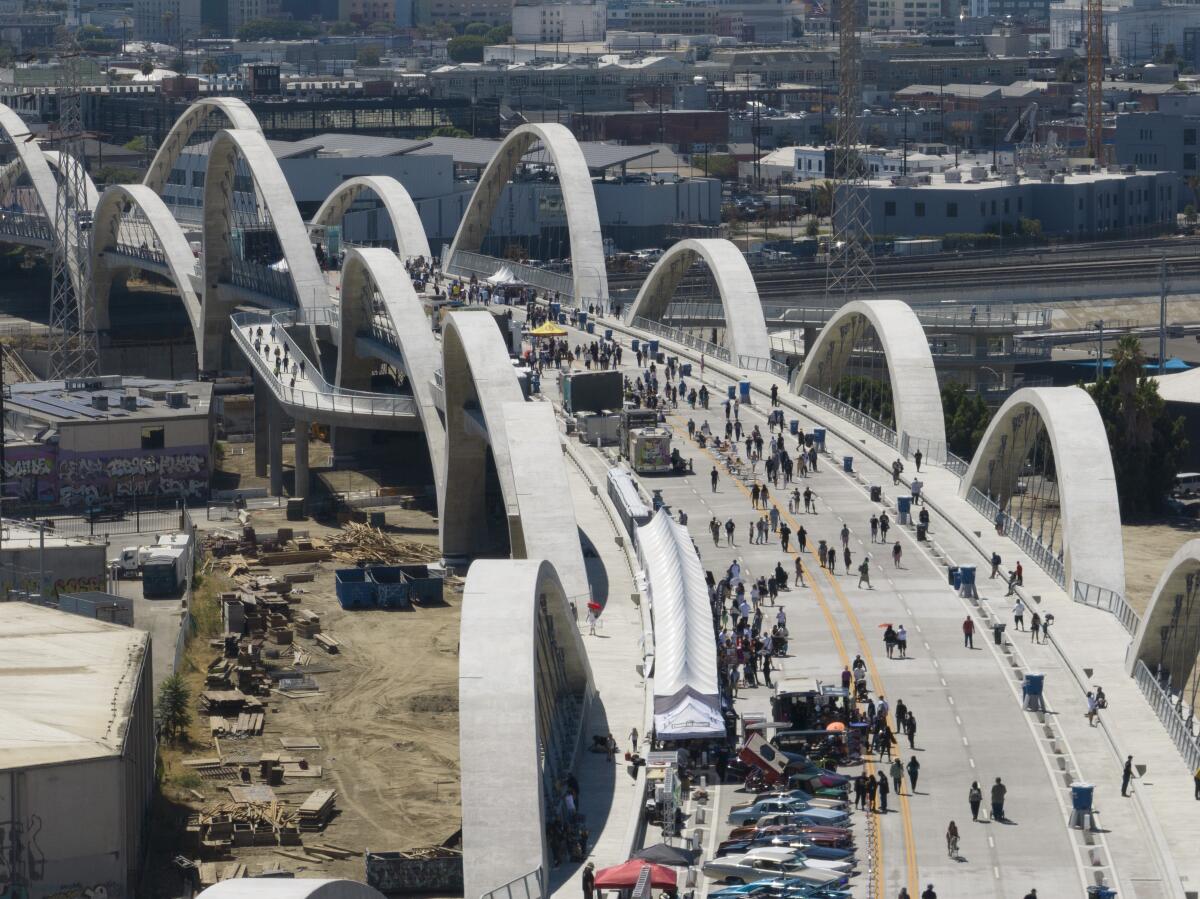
[968,632]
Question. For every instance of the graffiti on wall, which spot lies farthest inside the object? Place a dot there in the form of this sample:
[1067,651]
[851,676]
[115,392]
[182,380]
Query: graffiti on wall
[85,480]
[29,473]
[22,862]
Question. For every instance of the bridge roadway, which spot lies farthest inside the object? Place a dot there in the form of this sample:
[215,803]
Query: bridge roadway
[967,702]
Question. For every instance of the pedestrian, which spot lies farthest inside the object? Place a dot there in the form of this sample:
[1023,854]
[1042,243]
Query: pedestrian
[766,669]
[999,791]
[902,641]
[1019,614]
[1035,627]
[1032,894]
[975,799]
[831,560]
[729,531]
[589,880]
[845,536]
[1196,779]
[846,559]
[874,527]
[914,769]
[1126,775]
[860,791]
[917,459]
[884,789]
[864,573]
[929,893]
[1093,709]
[714,527]
[901,713]
[785,534]
[968,628]
[800,573]
[996,560]
[754,497]
[896,553]
[903,894]
[897,772]
[713,478]
[884,524]
[910,730]
[872,791]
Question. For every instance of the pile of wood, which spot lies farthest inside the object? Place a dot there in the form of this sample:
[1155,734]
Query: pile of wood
[363,543]
[228,703]
[247,724]
[316,811]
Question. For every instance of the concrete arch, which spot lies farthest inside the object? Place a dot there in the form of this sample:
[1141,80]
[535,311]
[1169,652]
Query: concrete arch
[406,221]
[16,132]
[1087,487]
[916,396]
[12,173]
[364,272]
[579,198]
[311,289]
[485,409]
[91,195]
[515,620]
[1175,596]
[177,253]
[237,116]
[745,326]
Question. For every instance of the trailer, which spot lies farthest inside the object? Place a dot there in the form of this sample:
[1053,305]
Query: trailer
[165,572]
[630,506]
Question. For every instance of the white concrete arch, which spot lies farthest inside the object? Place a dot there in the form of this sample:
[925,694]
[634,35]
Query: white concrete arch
[406,221]
[579,199]
[177,253]
[485,409]
[745,327]
[91,195]
[510,610]
[364,272]
[916,397]
[237,116]
[1173,605]
[12,173]
[1090,515]
[311,289]
[16,132]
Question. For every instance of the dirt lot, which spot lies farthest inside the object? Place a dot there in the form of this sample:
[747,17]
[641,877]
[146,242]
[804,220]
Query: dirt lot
[1148,547]
[385,717]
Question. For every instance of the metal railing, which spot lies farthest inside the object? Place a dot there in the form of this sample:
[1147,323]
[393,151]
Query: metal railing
[465,264]
[527,886]
[933,452]
[770,366]
[326,398]
[1045,557]
[680,336]
[1109,601]
[149,255]
[856,417]
[1170,712]
[264,280]
[1002,317]
[26,225]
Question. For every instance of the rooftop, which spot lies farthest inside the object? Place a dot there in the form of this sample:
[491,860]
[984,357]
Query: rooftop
[69,685]
[18,535]
[478,152]
[53,402]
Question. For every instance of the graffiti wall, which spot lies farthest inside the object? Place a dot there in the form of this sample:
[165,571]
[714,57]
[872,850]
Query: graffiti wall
[178,472]
[29,472]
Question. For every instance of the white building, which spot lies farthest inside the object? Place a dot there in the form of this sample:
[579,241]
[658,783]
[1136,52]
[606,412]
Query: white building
[903,14]
[76,753]
[166,21]
[1133,33]
[813,163]
[553,22]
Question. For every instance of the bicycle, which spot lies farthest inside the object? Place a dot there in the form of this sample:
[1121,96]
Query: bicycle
[952,845]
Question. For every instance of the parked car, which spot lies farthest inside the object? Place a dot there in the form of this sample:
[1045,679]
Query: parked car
[807,816]
[779,862]
[810,848]
[104,512]
[750,814]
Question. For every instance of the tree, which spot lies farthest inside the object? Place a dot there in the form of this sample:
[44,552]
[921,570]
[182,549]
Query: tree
[499,35]
[210,67]
[174,707]
[369,56]
[275,30]
[477,29]
[381,28]
[1189,213]
[147,67]
[468,48]
[967,417]
[138,144]
[341,29]
[1031,228]
[112,174]
[812,229]
[179,64]
[717,165]
[449,131]
[1147,445]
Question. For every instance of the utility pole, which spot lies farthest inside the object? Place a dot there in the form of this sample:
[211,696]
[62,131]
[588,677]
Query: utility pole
[73,345]
[850,265]
[1162,314]
[1099,326]
[1095,80]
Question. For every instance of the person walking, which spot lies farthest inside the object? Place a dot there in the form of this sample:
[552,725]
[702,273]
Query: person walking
[766,670]
[952,840]
[975,799]
[1126,775]
[897,772]
[968,628]
[1019,614]
[996,560]
[785,535]
[845,536]
[714,528]
[917,457]
[713,477]
[929,893]
[1035,627]
[914,770]
[1196,779]
[910,730]
[903,894]
[864,572]
[729,531]
[874,527]
[902,641]
[1093,709]
[884,524]
[1032,894]
[860,791]
[872,792]
[589,880]
[897,552]
[884,789]
[999,791]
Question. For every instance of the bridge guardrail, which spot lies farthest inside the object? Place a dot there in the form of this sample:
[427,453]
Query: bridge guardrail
[26,225]
[263,279]
[1045,557]
[678,335]
[1170,712]
[465,264]
[856,417]
[1110,601]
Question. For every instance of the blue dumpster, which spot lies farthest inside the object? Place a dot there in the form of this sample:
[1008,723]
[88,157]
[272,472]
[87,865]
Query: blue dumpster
[744,391]
[951,574]
[1081,796]
[423,586]
[1101,892]
[847,463]
[818,438]
[652,348]
[794,427]
[634,344]
[904,508]
[391,587]
[355,590]
[1033,684]
[968,575]
[562,318]
[583,318]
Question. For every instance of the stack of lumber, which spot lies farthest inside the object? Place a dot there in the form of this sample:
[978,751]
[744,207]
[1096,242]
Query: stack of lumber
[316,811]
[363,543]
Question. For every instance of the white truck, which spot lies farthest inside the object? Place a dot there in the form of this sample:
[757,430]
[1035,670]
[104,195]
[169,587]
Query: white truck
[130,562]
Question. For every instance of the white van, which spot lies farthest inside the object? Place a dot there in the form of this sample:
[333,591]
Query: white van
[1187,482]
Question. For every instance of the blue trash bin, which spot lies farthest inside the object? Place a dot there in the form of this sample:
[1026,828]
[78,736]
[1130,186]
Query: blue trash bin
[818,437]
[555,308]
[562,318]
[608,333]
[591,327]
[744,391]
[583,319]
[794,427]
[956,578]
[968,575]
[652,348]
[732,391]
[634,344]
[1101,892]
[1081,796]
[904,508]
[951,574]
[685,370]
[847,463]
[1034,684]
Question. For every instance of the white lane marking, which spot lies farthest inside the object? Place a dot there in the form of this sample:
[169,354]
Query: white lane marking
[972,761]
[958,720]
[943,680]
[992,842]
[951,698]
[996,872]
[965,743]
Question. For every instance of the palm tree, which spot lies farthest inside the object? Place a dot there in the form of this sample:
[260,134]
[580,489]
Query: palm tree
[1129,362]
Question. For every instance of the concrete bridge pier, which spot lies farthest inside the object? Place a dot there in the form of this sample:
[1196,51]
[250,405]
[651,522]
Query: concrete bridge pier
[261,413]
[275,448]
[300,487]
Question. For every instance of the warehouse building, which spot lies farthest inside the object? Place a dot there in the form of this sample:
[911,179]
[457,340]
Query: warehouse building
[77,754]
[33,560]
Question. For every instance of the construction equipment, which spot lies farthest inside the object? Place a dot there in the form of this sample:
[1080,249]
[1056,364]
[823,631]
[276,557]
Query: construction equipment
[1095,80]
[74,351]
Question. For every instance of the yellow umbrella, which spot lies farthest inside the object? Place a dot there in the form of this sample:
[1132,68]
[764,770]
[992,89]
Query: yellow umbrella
[548,329]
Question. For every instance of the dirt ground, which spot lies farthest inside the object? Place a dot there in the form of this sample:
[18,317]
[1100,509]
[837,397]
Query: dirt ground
[386,719]
[1148,547]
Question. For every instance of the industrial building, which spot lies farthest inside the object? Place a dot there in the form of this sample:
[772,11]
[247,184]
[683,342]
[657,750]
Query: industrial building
[77,754]
[550,22]
[80,442]
[38,561]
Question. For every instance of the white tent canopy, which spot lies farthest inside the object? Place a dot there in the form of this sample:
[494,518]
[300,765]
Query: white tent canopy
[687,696]
[503,277]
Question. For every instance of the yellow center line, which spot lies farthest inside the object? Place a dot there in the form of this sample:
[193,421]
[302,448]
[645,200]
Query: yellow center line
[872,821]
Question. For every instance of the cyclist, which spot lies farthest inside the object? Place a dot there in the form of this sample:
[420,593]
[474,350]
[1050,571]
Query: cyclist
[952,840]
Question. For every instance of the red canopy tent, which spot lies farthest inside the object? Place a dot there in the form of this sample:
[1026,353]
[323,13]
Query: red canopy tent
[625,876]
